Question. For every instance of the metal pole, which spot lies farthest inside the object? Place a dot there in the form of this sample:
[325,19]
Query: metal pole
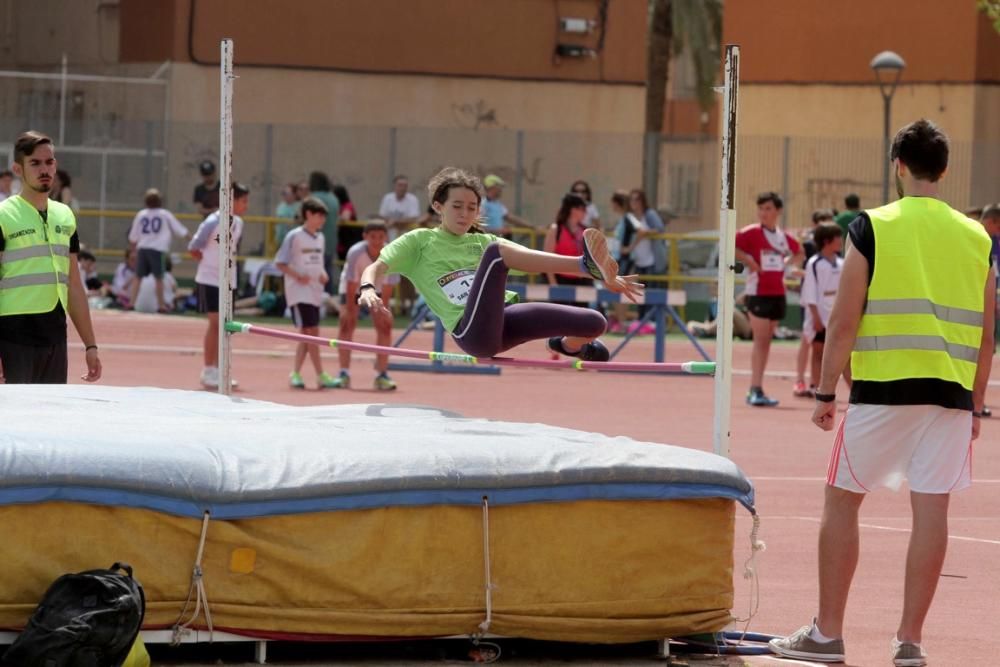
[165,188]
[886,111]
[651,167]
[785,158]
[103,199]
[392,157]
[519,175]
[62,101]
[727,256]
[226,267]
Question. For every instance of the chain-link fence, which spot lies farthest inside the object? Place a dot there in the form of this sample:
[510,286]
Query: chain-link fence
[809,173]
[117,139]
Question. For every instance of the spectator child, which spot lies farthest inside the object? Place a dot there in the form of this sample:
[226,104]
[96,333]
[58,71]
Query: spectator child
[152,231]
[819,291]
[809,248]
[300,259]
[204,247]
[361,255]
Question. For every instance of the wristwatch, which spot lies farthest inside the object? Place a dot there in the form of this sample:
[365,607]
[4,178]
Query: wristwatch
[825,398]
[362,288]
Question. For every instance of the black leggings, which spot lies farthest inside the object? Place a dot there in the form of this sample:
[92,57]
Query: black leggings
[489,326]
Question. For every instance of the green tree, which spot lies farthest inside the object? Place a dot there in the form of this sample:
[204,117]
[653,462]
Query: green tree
[992,9]
[693,27]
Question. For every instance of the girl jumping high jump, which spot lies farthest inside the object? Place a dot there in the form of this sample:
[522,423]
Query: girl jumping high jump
[462,274]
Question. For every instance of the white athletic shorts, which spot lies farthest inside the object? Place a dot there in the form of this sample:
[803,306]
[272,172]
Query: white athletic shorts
[880,445]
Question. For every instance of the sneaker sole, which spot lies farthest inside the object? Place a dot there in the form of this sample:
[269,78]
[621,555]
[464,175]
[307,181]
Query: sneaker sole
[909,662]
[597,246]
[805,655]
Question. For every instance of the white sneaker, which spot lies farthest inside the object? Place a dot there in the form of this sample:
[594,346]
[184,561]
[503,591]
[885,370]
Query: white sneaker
[210,377]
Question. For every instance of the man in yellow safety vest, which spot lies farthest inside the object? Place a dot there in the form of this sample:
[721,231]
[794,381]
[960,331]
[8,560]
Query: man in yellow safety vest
[914,313]
[39,279]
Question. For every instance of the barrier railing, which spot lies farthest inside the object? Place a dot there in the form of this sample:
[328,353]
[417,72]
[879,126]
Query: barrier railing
[529,236]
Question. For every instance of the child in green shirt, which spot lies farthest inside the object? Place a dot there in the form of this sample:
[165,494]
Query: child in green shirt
[462,274]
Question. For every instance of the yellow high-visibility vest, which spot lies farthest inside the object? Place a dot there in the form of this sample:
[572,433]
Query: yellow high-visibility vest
[34,264]
[924,315]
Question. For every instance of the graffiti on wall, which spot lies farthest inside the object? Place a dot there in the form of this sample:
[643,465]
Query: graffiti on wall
[475,115]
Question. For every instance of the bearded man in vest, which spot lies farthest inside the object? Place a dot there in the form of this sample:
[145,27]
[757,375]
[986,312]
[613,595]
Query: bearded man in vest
[914,313]
[39,279]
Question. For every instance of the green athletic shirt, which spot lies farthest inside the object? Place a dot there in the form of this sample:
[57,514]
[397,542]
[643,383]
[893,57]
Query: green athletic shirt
[441,266]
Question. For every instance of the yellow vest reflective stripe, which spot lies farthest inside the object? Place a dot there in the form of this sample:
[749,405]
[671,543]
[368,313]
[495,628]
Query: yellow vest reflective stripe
[35,263]
[924,314]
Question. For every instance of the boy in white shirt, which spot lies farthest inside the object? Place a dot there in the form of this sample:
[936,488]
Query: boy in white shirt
[300,258]
[204,247]
[152,231]
[819,291]
[359,257]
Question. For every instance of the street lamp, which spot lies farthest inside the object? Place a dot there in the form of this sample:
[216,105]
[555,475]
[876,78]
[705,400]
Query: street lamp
[888,68]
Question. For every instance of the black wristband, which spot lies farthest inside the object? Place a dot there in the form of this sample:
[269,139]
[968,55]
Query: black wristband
[361,289]
[825,398]
[89,348]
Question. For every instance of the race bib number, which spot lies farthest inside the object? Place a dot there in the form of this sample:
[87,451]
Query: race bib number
[457,285]
[771,261]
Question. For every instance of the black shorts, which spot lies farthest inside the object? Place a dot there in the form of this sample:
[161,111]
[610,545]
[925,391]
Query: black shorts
[767,307]
[27,364]
[305,315]
[208,298]
[149,261]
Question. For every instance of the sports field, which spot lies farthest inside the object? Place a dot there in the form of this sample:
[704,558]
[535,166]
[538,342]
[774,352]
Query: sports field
[779,449]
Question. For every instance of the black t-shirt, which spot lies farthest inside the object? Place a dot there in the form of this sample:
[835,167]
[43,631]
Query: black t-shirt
[209,198]
[41,329]
[915,391]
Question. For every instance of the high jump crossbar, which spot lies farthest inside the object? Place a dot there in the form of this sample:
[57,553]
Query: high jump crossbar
[687,367]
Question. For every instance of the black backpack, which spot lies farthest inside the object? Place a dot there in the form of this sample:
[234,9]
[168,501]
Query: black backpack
[88,619]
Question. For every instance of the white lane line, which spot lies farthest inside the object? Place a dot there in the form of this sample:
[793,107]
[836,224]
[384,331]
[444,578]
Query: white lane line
[179,349]
[171,349]
[790,376]
[763,478]
[891,529]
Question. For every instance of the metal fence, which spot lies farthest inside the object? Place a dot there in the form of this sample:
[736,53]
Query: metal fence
[810,173]
[117,139]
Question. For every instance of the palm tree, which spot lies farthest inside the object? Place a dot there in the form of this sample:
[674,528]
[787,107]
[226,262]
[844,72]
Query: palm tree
[675,27]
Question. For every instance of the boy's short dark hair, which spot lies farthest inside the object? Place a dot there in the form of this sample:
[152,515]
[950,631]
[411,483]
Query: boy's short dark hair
[152,198]
[26,144]
[85,255]
[375,226]
[990,211]
[825,233]
[240,190]
[852,202]
[821,214]
[923,148]
[313,205]
[772,197]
